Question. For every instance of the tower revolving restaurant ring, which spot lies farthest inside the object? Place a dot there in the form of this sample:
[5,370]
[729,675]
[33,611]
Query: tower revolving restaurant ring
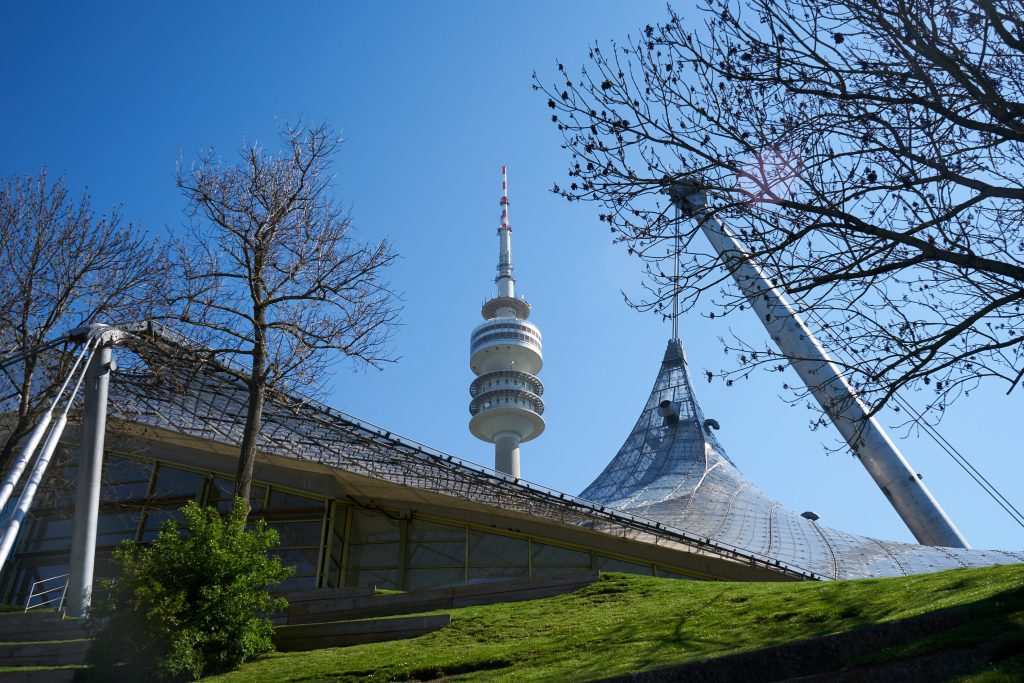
[507,389]
[505,344]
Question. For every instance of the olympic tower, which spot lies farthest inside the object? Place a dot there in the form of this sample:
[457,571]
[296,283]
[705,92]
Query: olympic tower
[505,354]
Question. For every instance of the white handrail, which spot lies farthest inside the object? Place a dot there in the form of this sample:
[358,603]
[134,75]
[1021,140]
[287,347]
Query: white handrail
[32,592]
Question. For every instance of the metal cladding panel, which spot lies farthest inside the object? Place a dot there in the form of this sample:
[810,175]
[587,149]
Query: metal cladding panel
[679,475]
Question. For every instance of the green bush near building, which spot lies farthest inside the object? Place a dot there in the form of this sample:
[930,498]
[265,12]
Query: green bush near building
[192,602]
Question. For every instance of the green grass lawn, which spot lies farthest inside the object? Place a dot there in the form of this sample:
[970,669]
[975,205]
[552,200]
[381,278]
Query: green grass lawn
[628,623]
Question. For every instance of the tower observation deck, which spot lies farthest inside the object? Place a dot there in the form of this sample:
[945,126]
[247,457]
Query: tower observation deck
[505,354]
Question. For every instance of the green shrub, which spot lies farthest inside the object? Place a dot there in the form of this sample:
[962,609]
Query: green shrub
[192,602]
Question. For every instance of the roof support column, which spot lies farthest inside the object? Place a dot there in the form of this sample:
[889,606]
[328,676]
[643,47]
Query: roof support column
[90,470]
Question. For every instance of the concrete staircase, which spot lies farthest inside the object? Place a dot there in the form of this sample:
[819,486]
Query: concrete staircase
[41,638]
[314,620]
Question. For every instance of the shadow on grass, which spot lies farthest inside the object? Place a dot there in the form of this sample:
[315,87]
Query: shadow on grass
[995,632]
[733,621]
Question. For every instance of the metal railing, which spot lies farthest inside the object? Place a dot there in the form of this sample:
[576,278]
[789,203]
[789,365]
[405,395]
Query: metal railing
[63,588]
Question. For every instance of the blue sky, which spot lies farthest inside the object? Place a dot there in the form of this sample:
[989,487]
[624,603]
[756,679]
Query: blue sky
[432,99]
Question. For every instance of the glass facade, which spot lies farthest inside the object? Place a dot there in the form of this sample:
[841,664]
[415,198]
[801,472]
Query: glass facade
[332,543]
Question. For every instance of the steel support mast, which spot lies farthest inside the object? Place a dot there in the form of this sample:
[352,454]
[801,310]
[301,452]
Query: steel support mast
[90,470]
[904,488]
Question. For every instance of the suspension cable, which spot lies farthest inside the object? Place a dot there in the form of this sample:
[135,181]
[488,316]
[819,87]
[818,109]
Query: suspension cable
[18,467]
[17,356]
[28,493]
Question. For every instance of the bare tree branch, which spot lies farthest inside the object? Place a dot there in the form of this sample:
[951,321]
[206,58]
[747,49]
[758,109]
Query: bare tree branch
[270,272]
[61,267]
[868,152]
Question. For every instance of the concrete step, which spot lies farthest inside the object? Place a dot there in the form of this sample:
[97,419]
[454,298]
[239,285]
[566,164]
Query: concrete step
[370,606]
[44,654]
[58,631]
[39,626]
[39,676]
[299,597]
[54,631]
[359,607]
[310,602]
[300,638]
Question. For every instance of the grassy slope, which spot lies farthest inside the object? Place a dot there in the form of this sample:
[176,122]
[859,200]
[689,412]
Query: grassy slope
[628,623]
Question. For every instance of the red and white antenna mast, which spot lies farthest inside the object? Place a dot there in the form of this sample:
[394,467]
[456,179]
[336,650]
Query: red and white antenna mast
[505,280]
[504,200]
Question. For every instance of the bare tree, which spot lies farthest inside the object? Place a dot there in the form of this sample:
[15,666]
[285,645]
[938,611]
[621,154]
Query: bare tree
[869,152]
[271,276]
[61,266]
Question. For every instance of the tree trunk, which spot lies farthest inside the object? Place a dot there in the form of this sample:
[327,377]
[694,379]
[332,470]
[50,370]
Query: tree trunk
[254,415]
[247,457]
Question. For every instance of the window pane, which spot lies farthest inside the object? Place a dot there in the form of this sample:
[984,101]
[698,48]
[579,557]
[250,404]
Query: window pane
[297,583]
[553,571]
[124,491]
[493,550]
[46,544]
[304,561]
[113,522]
[444,553]
[373,526]
[381,578]
[374,555]
[51,528]
[29,574]
[485,574]
[553,556]
[113,540]
[420,579]
[423,530]
[222,495]
[156,517]
[299,534]
[281,500]
[117,469]
[174,483]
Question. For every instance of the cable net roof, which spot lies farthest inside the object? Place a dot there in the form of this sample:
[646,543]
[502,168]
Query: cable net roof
[166,381]
[679,475]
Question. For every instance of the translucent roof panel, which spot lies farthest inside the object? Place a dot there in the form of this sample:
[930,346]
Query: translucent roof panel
[166,381]
[679,475]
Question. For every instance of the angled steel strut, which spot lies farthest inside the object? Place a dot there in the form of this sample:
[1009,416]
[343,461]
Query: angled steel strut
[892,473]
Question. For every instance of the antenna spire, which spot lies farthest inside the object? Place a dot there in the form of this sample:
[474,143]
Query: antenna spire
[504,200]
[505,279]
